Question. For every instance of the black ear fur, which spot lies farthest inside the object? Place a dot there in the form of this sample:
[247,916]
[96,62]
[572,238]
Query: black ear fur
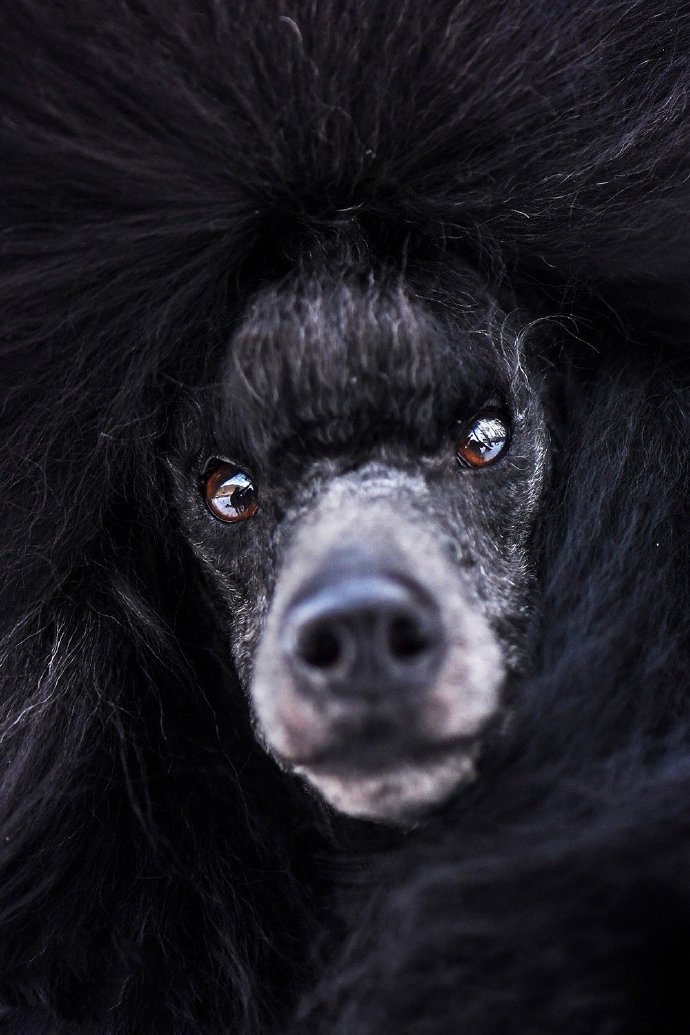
[159,159]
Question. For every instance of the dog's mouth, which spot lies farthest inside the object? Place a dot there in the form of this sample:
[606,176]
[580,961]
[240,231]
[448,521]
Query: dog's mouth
[389,775]
[378,749]
[395,789]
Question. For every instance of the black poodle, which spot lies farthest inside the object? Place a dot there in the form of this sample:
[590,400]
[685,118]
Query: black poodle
[346,409]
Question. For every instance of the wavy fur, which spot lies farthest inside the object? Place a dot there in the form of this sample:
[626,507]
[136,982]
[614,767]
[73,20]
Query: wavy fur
[159,161]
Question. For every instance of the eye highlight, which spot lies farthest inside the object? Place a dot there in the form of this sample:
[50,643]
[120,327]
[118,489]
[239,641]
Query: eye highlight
[229,493]
[483,440]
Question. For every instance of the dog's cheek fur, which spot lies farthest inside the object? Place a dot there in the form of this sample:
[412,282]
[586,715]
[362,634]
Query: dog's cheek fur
[157,161]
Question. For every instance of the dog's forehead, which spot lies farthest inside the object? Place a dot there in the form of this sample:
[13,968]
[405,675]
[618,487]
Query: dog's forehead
[324,361]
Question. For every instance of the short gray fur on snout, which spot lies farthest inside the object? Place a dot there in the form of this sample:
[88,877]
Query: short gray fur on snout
[365,520]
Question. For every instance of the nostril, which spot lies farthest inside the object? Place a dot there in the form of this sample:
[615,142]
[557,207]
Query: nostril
[362,635]
[407,638]
[319,647]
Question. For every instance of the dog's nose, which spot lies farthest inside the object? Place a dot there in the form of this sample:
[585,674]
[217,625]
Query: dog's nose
[367,636]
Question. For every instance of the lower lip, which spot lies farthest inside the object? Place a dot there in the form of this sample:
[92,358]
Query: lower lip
[371,757]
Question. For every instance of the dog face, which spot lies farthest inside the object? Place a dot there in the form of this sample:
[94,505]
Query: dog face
[361,487]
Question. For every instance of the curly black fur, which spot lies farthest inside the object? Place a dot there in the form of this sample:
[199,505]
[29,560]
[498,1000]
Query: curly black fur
[160,161]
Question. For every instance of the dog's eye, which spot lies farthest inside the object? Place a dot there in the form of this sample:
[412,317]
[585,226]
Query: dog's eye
[483,440]
[230,493]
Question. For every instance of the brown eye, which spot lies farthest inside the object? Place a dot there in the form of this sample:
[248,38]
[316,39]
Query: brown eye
[483,440]
[230,493]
